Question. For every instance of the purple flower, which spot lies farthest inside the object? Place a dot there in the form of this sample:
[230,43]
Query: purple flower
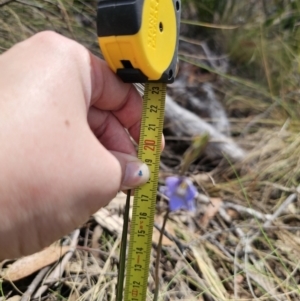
[181,192]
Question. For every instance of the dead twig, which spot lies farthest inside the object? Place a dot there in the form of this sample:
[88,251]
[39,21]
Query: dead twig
[249,211]
[32,287]
[267,223]
[185,123]
[59,269]
[5,2]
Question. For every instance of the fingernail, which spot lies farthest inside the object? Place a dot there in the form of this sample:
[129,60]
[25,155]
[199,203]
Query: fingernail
[136,174]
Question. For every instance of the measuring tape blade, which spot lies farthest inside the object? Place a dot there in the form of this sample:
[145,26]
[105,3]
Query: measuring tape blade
[137,271]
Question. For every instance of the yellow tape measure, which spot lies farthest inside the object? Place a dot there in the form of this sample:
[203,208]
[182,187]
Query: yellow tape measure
[139,40]
[145,196]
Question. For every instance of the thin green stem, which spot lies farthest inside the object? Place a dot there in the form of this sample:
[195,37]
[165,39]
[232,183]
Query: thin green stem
[158,253]
[122,260]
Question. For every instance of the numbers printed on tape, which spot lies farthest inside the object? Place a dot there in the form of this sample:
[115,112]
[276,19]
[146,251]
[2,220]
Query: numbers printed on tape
[145,196]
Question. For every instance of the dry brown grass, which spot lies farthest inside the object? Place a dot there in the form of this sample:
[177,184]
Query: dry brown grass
[246,245]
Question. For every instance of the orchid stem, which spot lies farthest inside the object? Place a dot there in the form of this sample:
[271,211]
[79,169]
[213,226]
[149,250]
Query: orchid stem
[158,253]
[123,247]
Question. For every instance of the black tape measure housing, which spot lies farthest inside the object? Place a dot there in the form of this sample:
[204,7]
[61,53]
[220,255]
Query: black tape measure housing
[124,18]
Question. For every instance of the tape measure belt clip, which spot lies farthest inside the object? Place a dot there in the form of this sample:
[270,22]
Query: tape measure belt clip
[139,39]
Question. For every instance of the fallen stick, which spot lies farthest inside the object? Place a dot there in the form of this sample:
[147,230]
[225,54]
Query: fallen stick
[185,123]
[59,269]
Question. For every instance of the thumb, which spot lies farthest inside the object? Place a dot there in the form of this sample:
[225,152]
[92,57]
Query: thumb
[134,171]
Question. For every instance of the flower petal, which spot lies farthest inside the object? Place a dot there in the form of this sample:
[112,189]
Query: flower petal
[191,205]
[177,203]
[171,185]
[173,182]
[191,191]
[181,192]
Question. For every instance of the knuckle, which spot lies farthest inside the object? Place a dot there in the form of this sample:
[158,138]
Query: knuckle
[49,39]
[58,45]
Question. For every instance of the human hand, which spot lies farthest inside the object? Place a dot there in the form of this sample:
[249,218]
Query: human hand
[64,148]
